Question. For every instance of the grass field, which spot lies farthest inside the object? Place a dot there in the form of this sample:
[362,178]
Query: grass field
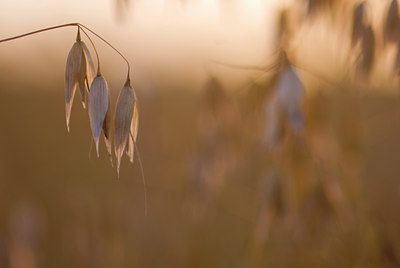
[327,198]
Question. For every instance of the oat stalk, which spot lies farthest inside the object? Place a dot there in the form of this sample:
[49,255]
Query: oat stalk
[111,46]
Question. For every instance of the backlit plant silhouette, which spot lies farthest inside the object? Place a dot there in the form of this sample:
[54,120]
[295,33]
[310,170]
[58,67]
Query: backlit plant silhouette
[80,73]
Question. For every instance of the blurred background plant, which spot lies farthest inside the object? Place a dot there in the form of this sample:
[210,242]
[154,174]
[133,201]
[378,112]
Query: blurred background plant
[289,159]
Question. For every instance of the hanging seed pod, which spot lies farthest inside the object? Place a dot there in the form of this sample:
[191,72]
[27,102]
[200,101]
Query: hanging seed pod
[358,23]
[284,106]
[367,54]
[290,94]
[79,72]
[316,6]
[283,30]
[126,123]
[391,24]
[99,105]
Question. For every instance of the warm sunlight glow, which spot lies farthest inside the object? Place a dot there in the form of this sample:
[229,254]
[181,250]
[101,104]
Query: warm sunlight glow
[151,31]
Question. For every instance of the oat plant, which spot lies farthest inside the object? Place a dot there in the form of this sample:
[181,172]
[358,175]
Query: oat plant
[94,91]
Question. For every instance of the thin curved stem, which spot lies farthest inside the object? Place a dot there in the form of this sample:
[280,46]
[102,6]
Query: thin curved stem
[94,47]
[39,31]
[274,66]
[81,27]
[316,75]
[105,41]
[57,27]
[247,67]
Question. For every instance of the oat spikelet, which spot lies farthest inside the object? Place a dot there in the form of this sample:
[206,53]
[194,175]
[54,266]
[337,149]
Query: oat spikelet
[392,23]
[124,114]
[285,106]
[367,54]
[358,28]
[78,71]
[99,105]
[290,94]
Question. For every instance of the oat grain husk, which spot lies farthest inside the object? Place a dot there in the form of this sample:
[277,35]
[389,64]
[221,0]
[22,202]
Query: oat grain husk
[99,105]
[79,71]
[124,122]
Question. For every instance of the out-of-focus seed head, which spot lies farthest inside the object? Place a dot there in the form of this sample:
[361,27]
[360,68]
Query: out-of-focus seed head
[314,7]
[392,23]
[367,54]
[285,106]
[99,105]
[359,23]
[290,93]
[79,72]
[283,31]
[214,97]
[126,118]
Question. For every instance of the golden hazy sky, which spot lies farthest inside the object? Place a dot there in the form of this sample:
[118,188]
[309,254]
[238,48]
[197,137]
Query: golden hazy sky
[151,33]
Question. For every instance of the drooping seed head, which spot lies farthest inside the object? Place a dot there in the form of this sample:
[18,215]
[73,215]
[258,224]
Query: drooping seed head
[392,23]
[79,69]
[367,54]
[359,22]
[72,72]
[285,105]
[125,114]
[290,93]
[99,105]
